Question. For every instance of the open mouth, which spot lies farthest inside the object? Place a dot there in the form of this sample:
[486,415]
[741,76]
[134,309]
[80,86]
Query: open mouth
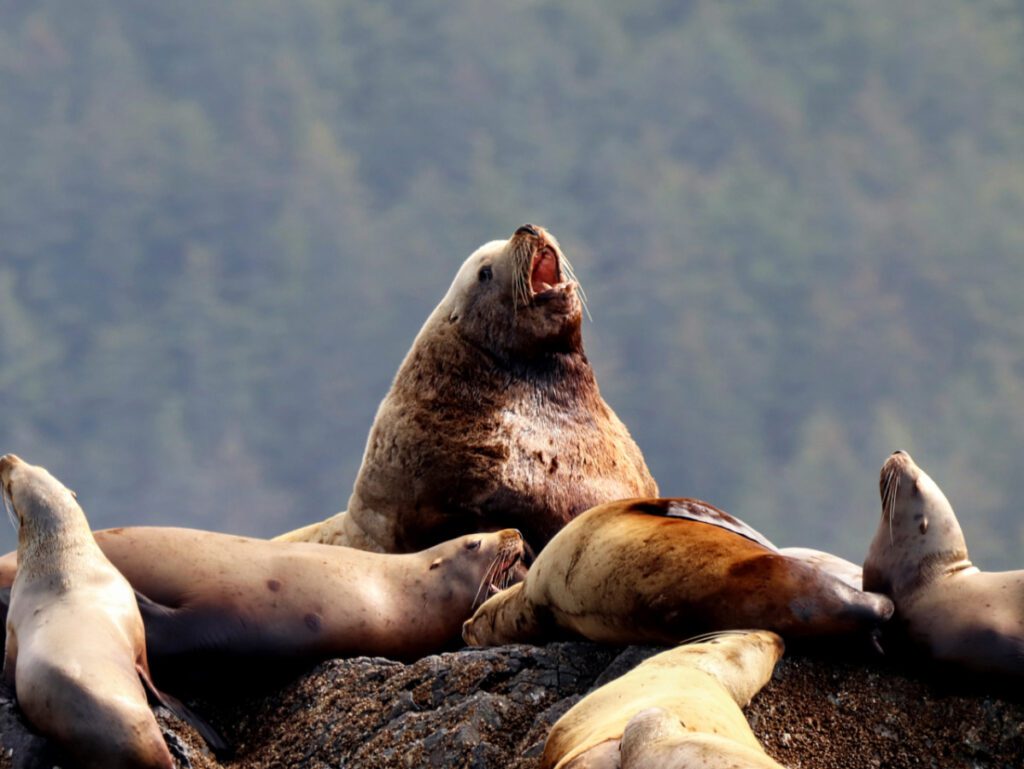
[546,279]
[501,573]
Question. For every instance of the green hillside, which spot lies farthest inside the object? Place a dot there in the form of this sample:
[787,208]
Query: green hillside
[800,225]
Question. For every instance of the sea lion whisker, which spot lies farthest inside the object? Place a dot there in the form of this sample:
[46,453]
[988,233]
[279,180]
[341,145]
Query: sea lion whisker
[715,635]
[892,506]
[486,580]
[570,274]
[5,492]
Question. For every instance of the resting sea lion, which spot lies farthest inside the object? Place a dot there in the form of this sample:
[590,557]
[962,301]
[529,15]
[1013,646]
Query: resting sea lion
[660,570]
[75,652]
[944,604]
[224,594]
[654,739]
[703,685]
[494,418]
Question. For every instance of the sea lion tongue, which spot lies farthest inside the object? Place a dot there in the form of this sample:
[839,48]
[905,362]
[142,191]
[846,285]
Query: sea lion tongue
[545,270]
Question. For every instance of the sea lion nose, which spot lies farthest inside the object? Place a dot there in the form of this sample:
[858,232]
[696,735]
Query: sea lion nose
[898,451]
[527,229]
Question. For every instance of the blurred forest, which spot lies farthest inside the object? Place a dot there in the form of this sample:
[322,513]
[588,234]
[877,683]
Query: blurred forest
[800,225]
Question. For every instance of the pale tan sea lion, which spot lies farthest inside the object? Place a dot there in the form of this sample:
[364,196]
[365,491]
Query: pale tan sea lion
[945,605]
[75,651]
[661,570]
[702,685]
[494,419]
[224,594]
[654,739]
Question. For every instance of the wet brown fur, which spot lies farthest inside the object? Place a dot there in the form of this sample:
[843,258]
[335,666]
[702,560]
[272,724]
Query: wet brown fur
[494,419]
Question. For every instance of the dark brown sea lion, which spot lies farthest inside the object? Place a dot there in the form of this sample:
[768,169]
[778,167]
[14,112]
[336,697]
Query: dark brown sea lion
[662,570]
[75,651]
[945,605]
[494,418]
[220,594]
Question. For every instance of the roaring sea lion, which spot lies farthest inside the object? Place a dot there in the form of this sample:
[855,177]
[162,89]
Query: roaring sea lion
[945,605]
[224,594]
[702,685]
[75,652]
[494,419]
[660,570]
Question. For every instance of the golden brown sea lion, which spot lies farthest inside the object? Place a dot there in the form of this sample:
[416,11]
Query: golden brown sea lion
[654,739]
[661,570]
[703,685]
[75,652]
[944,604]
[224,594]
[494,418]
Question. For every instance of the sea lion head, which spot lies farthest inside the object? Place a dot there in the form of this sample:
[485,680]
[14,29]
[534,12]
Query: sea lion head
[480,564]
[918,533]
[517,299]
[741,660]
[35,501]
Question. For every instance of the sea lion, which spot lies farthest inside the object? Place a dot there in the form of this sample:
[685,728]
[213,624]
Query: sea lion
[75,652]
[654,739]
[945,605]
[222,594]
[660,570]
[494,419]
[840,568]
[703,685]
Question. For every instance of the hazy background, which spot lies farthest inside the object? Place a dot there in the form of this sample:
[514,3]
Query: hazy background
[800,225]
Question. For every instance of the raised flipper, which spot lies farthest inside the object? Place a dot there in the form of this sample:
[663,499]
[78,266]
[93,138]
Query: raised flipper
[702,512]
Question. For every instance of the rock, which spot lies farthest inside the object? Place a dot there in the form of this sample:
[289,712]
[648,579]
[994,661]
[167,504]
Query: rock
[484,708]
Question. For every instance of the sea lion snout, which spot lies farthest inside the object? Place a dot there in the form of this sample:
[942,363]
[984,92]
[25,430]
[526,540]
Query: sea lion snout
[7,463]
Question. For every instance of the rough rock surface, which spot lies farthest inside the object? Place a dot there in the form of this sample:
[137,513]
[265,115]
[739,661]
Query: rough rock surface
[493,708]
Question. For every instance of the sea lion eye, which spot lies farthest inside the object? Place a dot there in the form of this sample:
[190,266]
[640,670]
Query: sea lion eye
[473,545]
[485,273]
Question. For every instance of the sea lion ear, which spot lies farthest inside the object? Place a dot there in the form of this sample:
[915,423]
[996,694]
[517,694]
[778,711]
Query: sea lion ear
[436,562]
[923,525]
[74,494]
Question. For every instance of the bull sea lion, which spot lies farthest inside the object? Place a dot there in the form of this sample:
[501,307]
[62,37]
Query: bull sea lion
[221,594]
[494,419]
[945,605]
[703,685]
[75,652]
[660,570]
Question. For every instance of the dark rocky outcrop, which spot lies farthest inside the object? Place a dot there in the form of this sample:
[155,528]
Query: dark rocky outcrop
[493,708]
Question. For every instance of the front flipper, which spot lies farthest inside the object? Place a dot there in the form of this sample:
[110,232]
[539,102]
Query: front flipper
[212,737]
[702,512]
